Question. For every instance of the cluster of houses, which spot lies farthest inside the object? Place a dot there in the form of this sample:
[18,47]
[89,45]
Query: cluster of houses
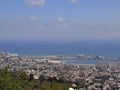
[99,76]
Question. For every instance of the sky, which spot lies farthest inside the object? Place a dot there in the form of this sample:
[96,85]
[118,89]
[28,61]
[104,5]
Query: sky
[59,19]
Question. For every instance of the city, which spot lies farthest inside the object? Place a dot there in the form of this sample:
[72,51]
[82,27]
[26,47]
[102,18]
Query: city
[99,76]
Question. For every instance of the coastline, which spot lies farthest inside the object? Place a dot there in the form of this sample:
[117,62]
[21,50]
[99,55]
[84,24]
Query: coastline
[108,48]
[71,58]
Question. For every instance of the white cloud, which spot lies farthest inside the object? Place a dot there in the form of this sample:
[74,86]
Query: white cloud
[33,18]
[60,19]
[35,2]
[73,1]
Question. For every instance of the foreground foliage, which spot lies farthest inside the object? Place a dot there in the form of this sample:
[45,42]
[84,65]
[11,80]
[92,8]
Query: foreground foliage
[19,81]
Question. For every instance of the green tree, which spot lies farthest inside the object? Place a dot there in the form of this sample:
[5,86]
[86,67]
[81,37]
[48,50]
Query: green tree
[59,86]
[45,86]
[22,75]
[19,81]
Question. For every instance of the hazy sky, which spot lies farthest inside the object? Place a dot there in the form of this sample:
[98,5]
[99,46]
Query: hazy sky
[59,19]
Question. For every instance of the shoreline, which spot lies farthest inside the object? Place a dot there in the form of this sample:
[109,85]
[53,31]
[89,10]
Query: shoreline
[73,58]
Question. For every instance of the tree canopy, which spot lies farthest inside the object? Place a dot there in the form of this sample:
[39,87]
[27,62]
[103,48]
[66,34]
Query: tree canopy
[19,81]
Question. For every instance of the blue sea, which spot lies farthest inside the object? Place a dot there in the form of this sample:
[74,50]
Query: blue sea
[89,47]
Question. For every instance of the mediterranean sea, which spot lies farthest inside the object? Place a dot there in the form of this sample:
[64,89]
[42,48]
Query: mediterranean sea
[90,47]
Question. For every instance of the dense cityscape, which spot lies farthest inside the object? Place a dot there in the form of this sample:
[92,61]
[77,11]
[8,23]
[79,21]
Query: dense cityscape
[99,76]
[59,44]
